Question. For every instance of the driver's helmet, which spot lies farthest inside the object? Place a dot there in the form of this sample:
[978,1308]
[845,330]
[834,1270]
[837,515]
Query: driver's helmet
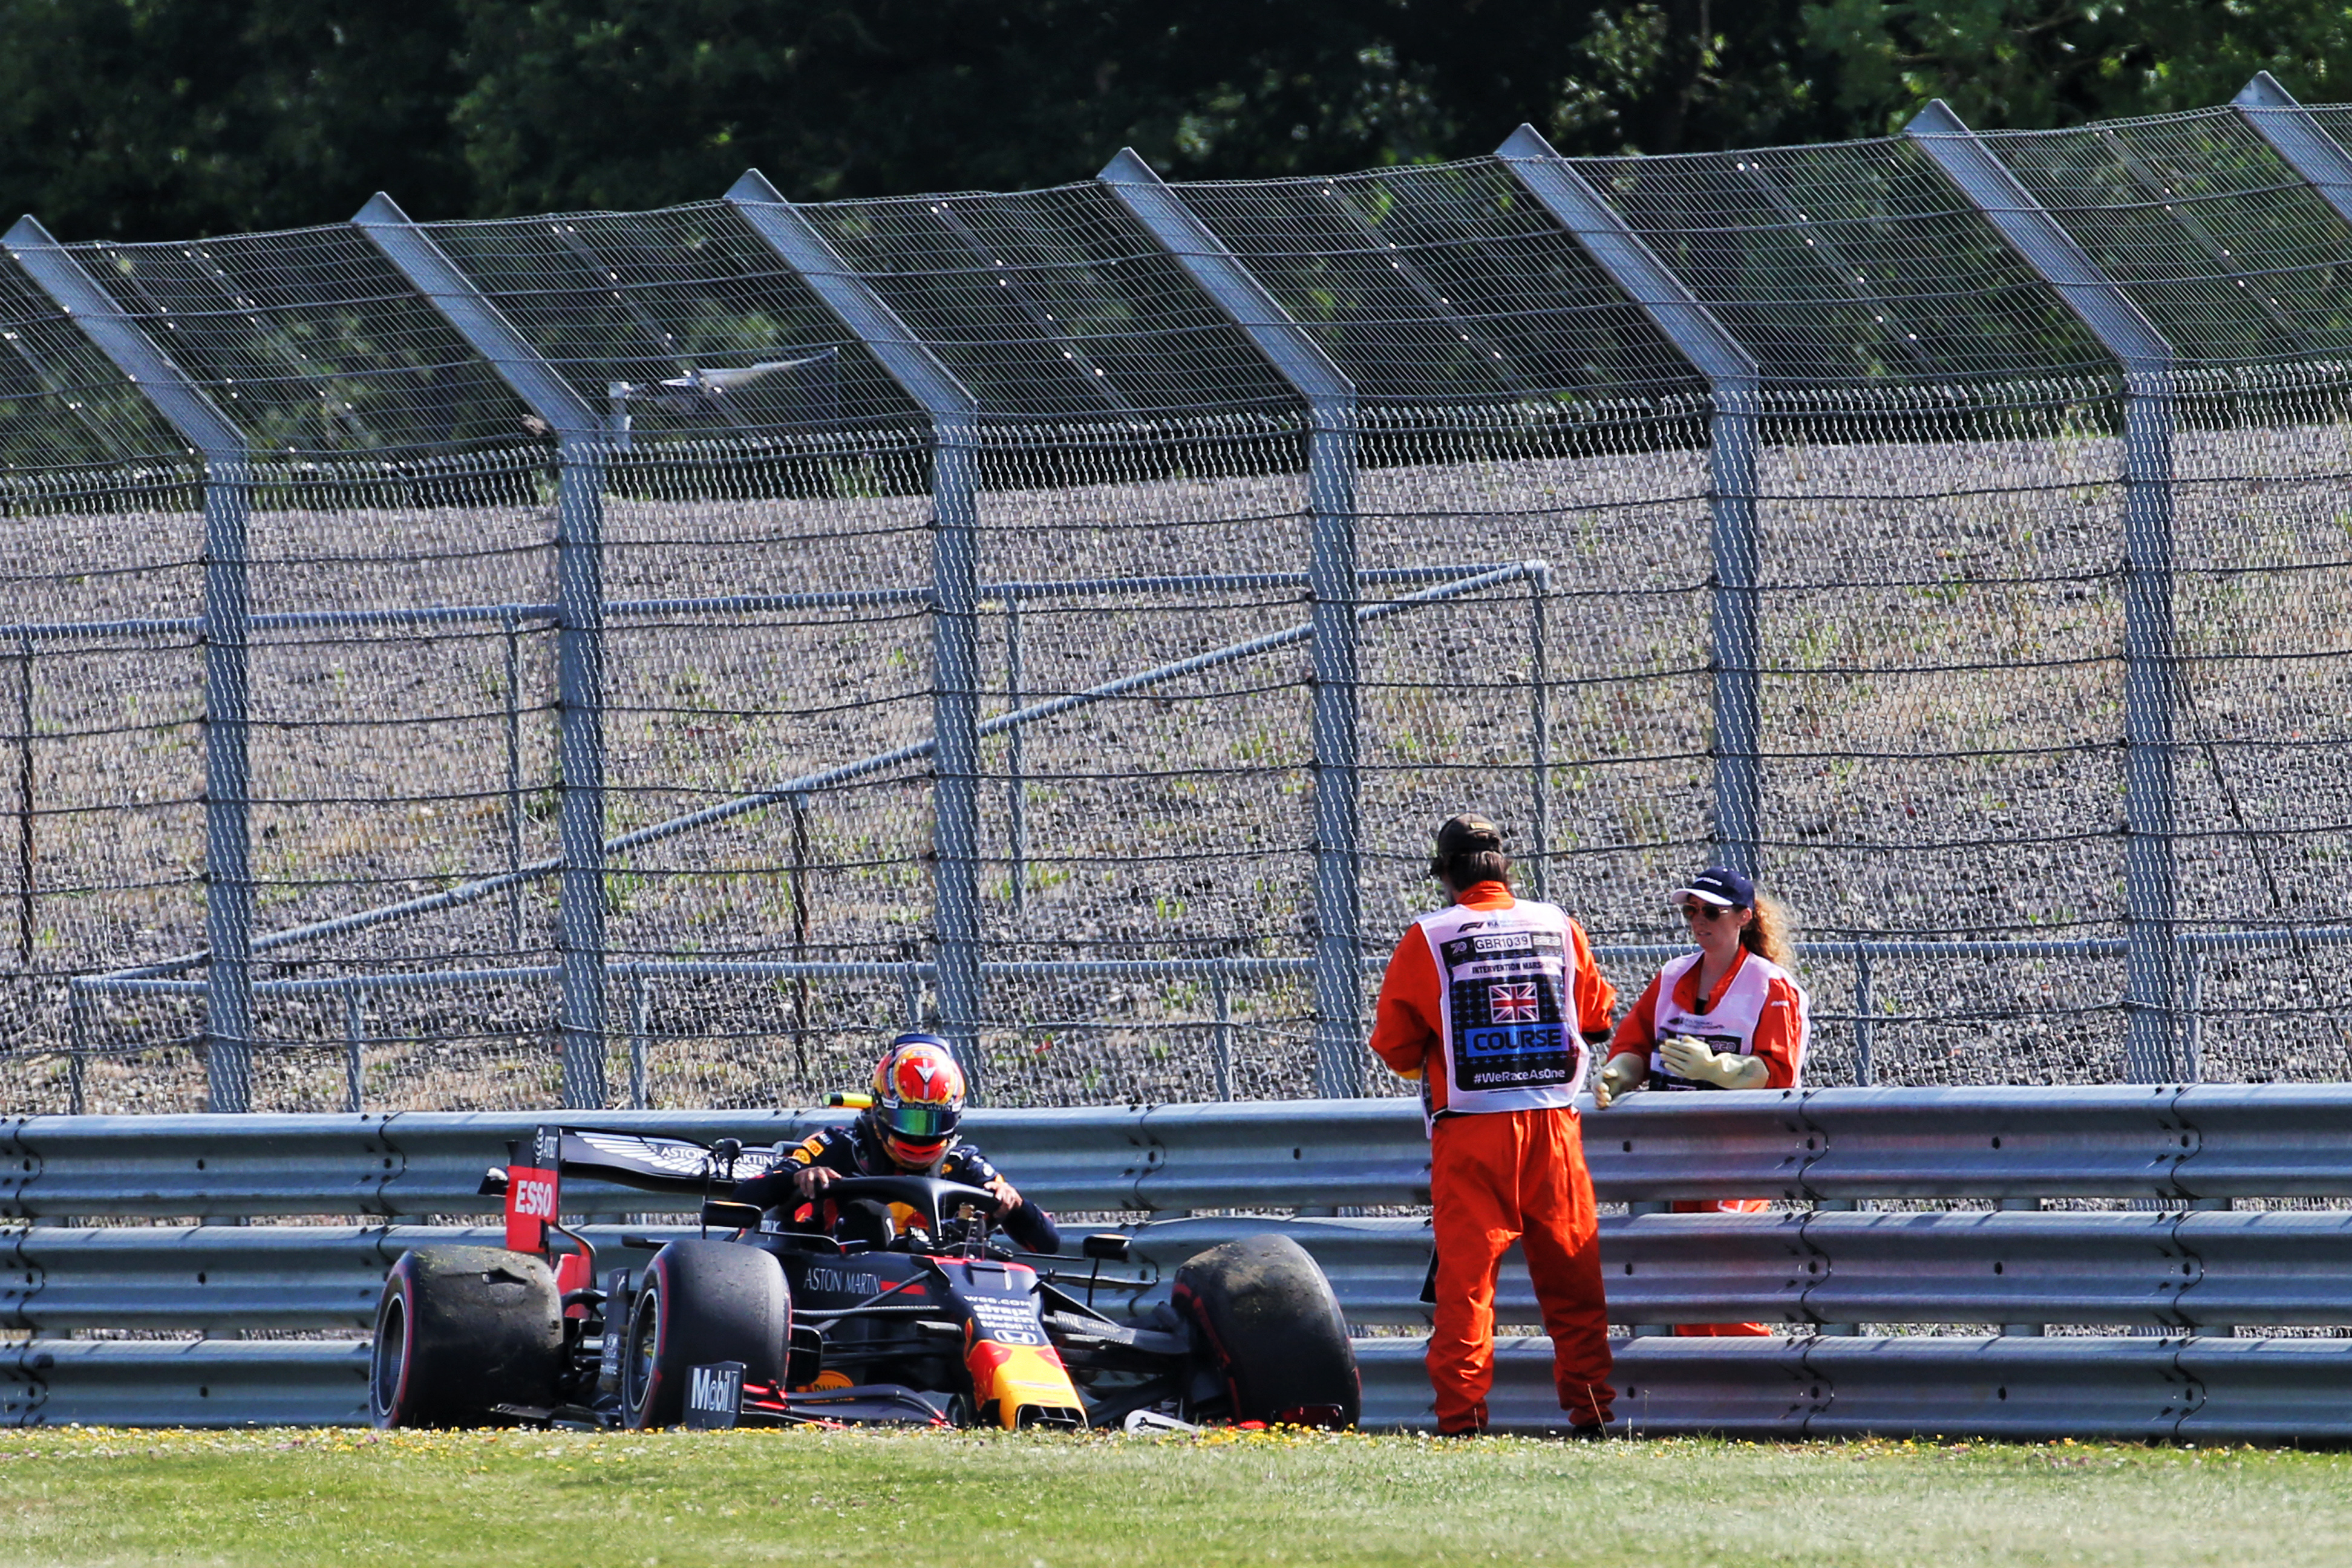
[918,1099]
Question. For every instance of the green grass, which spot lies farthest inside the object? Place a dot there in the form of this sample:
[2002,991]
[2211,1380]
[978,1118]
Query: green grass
[970,1501]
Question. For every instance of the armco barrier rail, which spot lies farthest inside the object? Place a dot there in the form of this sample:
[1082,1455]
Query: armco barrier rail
[2178,1263]
[2160,1142]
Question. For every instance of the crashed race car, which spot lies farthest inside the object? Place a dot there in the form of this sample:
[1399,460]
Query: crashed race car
[760,1321]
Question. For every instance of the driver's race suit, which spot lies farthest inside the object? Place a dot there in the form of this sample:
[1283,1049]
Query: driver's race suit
[854,1150]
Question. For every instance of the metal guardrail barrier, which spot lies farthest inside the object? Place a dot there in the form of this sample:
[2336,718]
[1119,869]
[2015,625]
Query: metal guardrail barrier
[2190,1390]
[2165,1142]
[2179,1270]
[2174,1268]
[2194,1391]
[186,1383]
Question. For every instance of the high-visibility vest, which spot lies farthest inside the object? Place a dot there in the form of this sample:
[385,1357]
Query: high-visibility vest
[1729,1022]
[1508,1025]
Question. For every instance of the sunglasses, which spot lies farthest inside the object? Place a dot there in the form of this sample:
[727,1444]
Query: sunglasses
[1695,910]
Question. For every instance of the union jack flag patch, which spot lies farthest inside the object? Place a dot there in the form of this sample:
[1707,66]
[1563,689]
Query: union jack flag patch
[1514,1003]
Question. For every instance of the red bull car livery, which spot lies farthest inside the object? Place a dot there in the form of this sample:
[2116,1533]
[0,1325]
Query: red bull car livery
[761,1321]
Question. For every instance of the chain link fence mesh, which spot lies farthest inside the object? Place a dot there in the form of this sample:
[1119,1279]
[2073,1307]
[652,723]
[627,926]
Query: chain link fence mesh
[1539,497]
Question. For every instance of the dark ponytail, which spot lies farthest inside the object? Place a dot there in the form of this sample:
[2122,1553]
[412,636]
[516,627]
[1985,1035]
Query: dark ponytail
[1470,850]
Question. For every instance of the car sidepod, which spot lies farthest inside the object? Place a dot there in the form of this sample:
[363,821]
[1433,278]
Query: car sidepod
[1018,1379]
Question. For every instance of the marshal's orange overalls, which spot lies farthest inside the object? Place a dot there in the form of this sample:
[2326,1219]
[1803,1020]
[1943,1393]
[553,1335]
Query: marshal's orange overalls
[1496,1177]
[1777,1041]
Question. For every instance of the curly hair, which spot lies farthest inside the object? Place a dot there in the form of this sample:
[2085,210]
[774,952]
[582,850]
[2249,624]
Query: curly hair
[1770,934]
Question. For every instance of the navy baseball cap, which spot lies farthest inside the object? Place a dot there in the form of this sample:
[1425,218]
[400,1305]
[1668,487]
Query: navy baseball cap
[1719,885]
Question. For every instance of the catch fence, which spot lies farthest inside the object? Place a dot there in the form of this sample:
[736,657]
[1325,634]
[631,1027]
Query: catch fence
[639,659]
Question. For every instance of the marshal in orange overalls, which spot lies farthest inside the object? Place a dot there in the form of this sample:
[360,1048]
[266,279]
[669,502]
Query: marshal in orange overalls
[1758,1010]
[1490,1002]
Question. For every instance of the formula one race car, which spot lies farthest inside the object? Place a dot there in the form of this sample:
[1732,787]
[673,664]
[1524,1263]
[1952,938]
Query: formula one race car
[770,1323]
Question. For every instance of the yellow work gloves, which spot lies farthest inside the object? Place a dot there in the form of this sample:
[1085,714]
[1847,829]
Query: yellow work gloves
[1619,1077]
[1685,1055]
[1694,1059]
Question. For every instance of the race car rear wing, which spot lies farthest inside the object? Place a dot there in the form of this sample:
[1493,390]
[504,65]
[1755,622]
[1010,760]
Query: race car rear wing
[532,1180]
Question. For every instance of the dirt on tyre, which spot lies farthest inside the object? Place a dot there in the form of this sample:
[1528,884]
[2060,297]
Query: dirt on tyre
[1274,1332]
[702,1303]
[460,1331]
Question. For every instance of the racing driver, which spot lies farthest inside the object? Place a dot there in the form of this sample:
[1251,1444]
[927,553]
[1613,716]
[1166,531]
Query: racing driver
[908,1130]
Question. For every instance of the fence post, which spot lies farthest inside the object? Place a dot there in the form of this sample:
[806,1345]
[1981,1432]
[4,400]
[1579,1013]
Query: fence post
[2321,161]
[1733,440]
[226,628]
[580,798]
[2316,157]
[1016,792]
[355,1039]
[955,571]
[1731,452]
[1540,730]
[1221,1055]
[2151,1041]
[2193,1028]
[514,782]
[1331,462]
[955,731]
[1339,881]
[77,1004]
[641,1004]
[24,803]
[911,993]
[1865,1009]
[582,447]
[799,887]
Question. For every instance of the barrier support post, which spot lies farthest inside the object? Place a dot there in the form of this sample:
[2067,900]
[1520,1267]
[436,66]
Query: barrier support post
[226,634]
[2152,963]
[1341,1058]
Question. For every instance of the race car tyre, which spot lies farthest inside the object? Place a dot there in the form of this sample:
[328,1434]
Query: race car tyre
[702,1303]
[1274,1332]
[460,1331]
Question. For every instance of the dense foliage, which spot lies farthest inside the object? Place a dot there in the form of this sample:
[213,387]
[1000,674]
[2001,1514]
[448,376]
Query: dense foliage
[162,118]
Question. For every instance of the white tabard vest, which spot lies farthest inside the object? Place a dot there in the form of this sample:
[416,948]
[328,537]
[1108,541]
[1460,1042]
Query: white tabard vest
[1508,1023]
[1730,1024]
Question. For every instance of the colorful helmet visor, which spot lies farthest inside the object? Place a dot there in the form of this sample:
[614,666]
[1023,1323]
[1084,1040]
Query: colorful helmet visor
[919,1121]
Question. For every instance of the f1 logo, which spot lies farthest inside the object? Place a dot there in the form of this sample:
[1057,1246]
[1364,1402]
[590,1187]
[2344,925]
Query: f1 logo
[714,1394]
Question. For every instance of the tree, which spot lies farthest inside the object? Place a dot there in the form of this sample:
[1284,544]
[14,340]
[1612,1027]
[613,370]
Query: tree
[153,119]
[2033,63]
[149,119]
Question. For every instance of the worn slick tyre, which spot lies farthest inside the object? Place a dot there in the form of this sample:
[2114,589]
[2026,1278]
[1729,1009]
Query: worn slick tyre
[460,1331]
[702,1302]
[1274,1331]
